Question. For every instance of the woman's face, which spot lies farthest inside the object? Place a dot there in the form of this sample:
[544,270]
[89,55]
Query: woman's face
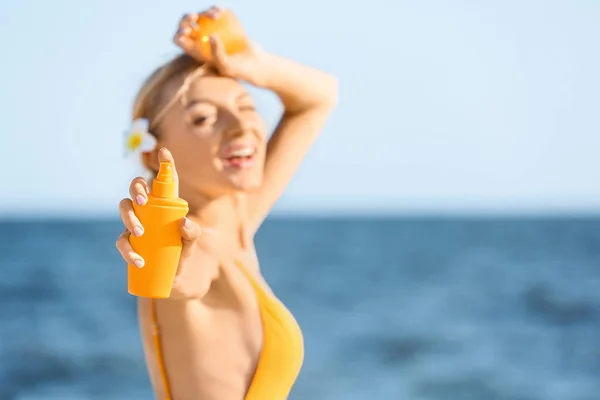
[217,138]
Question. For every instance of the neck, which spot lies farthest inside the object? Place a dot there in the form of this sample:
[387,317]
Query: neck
[226,214]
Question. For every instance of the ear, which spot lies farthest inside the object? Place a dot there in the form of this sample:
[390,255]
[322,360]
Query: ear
[150,158]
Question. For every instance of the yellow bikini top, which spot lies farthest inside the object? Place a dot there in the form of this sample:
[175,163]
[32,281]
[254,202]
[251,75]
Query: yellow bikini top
[282,352]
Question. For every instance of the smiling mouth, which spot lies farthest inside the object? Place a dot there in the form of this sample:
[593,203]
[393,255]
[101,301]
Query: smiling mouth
[240,157]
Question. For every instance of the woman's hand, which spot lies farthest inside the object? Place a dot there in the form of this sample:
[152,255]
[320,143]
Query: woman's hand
[246,66]
[198,260]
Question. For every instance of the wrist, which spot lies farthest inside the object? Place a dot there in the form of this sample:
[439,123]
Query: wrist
[262,72]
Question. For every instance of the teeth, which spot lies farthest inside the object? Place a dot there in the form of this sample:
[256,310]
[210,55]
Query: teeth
[245,152]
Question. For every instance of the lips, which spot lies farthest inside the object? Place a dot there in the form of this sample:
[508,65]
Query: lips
[239,155]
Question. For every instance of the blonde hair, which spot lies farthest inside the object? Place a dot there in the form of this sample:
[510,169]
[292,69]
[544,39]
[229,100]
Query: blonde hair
[153,100]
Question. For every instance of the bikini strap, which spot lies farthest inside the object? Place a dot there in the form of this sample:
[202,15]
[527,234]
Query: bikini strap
[158,350]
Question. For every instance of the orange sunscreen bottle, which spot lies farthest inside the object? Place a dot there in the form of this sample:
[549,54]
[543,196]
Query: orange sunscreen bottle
[229,29]
[160,245]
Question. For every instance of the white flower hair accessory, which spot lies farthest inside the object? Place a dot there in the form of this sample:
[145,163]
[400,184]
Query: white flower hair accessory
[139,139]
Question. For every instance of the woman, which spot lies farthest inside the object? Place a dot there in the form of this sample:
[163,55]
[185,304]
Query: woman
[222,334]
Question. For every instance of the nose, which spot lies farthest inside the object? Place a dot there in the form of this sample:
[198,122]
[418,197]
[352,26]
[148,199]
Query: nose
[238,125]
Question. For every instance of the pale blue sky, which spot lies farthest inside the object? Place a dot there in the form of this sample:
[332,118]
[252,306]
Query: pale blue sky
[462,105]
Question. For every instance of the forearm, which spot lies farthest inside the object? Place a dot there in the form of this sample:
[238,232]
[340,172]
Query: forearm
[300,88]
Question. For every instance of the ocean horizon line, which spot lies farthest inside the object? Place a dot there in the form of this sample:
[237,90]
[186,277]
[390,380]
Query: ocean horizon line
[296,215]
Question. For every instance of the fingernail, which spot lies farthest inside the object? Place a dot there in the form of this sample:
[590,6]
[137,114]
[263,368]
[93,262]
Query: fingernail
[140,199]
[138,231]
[187,224]
[138,263]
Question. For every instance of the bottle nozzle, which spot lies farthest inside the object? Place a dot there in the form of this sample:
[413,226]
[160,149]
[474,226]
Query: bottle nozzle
[165,172]
[163,185]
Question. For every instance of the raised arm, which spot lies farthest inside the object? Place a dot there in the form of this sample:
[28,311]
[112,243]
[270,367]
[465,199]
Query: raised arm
[308,96]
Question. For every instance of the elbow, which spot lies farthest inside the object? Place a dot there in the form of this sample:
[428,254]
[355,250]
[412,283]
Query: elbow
[321,97]
[331,93]
[326,97]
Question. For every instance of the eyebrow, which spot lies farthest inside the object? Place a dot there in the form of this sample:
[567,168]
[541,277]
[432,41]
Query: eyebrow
[193,102]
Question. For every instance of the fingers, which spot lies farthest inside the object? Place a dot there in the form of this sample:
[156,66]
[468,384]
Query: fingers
[194,237]
[190,231]
[188,30]
[131,222]
[219,55]
[126,251]
[187,44]
[138,190]
[165,155]
[187,22]
[212,12]
[184,35]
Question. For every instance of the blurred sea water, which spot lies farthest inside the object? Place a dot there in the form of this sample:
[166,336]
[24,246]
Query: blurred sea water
[396,308]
